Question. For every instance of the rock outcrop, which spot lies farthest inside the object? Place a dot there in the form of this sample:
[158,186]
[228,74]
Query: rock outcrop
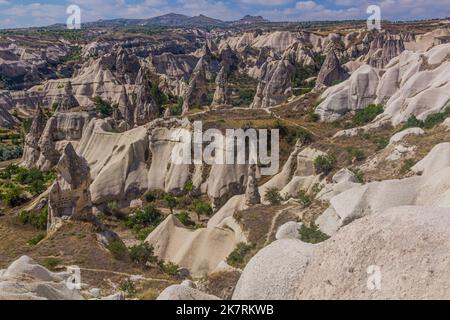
[275,86]
[411,84]
[331,72]
[69,196]
[32,151]
[221,93]
[275,272]
[252,195]
[401,253]
[24,279]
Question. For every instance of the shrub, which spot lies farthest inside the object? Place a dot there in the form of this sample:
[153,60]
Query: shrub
[273,196]
[112,208]
[312,235]
[142,254]
[325,164]
[39,220]
[184,218]
[407,165]
[367,114]
[237,257]
[51,263]
[12,195]
[34,241]
[413,122]
[142,234]
[171,202]
[313,117]
[356,154]
[202,208]
[145,217]
[188,187]
[117,249]
[151,196]
[169,268]
[304,198]
[302,135]
[358,174]
[10,153]
[102,107]
[128,287]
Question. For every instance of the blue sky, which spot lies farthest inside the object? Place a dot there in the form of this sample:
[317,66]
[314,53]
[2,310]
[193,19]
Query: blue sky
[24,13]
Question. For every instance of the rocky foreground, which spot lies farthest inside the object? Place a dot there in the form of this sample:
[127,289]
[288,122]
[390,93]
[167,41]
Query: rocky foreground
[363,186]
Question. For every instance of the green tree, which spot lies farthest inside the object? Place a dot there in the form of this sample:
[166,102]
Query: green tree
[202,208]
[171,202]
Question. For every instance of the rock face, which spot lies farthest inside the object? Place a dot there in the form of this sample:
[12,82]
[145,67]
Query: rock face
[197,90]
[411,84]
[383,49]
[275,86]
[24,279]
[331,71]
[184,292]
[274,272]
[408,246]
[252,195]
[31,151]
[43,147]
[200,251]
[430,188]
[221,93]
[6,119]
[69,196]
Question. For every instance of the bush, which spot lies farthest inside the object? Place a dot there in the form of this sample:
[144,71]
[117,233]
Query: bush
[142,254]
[312,235]
[171,202]
[407,165]
[304,198]
[117,249]
[10,153]
[430,122]
[51,263]
[113,209]
[202,208]
[39,220]
[34,241]
[145,217]
[128,287]
[237,257]
[358,174]
[184,218]
[413,122]
[12,195]
[169,268]
[356,154]
[273,196]
[151,196]
[325,164]
[102,107]
[300,134]
[367,114]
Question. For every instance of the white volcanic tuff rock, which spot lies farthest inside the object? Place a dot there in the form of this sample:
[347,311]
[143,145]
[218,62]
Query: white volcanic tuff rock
[129,163]
[117,161]
[300,54]
[24,279]
[221,93]
[399,136]
[331,71]
[274,272]
[429,189]
[353,94]
[69,196]
[289,230]
[175,71]
[252,195]
[201,250]
[6,119]
[411,84]
[197,91]
[409,245]
[59,129]
[31,151]
[384,48]
[184,292]
[275,85]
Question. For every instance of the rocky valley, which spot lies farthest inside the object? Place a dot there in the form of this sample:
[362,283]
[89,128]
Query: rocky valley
[93,205]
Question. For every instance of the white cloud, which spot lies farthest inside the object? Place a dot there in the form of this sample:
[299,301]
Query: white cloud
[265,2]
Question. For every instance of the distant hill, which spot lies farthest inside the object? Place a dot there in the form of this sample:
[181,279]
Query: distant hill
[175,20]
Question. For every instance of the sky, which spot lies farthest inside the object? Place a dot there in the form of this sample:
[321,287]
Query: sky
[27,13]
